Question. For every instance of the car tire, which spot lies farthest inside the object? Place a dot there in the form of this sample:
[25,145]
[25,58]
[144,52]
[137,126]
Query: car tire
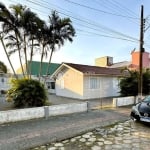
[137,117]
[134,116]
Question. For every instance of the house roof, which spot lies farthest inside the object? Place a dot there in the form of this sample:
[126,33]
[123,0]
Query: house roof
[35,67]
[120,64]
[95,70]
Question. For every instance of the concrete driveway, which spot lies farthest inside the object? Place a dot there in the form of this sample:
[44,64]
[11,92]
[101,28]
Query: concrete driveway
[4,105]
[53,99]
[56,100]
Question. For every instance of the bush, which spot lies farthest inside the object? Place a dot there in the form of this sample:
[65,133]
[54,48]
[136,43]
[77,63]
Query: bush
[27,93]
[129,85]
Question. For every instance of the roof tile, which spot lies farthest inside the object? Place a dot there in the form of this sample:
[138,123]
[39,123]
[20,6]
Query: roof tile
[95,70]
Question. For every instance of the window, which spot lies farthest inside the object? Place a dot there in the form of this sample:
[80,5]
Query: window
[50,85]
[94,83]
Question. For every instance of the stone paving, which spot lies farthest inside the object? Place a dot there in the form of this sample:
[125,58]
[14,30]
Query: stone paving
[128,135]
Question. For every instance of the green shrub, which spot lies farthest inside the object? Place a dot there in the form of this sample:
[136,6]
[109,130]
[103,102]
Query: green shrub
[27,93]
[129,85]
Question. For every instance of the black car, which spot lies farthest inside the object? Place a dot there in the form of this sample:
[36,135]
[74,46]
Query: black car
[141,111]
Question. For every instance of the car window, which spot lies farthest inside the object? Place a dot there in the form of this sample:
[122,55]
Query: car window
[147,99]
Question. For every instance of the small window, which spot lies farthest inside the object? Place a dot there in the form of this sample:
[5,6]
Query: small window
[52,85]
[94,83]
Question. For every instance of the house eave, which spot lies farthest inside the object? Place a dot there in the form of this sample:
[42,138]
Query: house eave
[112,75]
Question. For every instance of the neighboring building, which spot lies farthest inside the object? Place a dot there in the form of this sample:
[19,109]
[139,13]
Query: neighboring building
[135,59]
[35,67]
[4,82]
[104,61]
[86,82]
[107,61]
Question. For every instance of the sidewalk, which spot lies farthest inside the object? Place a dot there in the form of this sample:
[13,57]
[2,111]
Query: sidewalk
[28,134]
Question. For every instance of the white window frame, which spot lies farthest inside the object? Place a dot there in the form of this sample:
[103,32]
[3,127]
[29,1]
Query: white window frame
[94,83]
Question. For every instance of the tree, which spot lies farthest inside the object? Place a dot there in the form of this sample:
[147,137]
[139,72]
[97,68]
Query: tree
[33,26]
[24,32]
[21,27]
[3,18]
[43,37]
[10,26]
[3,67]
[54,36]
[146,82]
[129,85]
[27,24]
[61,30]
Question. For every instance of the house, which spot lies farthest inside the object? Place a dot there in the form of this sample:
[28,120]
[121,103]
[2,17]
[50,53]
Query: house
[107,61]
[86,82]
[35,67]
[4,82]
[136,58]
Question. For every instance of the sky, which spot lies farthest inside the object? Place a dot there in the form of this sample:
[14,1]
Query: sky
[103,28]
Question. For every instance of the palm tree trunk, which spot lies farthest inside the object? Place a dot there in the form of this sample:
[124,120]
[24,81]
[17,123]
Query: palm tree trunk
[31,56]
[50,58]
[19,55]
[25,54]
[8,58]
[40,70]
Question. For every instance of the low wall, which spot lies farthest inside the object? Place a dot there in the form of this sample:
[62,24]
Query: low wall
[124,101]
[39,112]
[67,108]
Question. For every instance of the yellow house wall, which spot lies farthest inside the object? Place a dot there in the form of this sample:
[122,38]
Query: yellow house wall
[73,84]
[74,81]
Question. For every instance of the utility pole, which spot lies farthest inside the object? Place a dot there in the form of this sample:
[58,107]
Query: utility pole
[141,50]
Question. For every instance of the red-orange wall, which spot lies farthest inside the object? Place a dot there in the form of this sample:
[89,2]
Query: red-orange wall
[146,60]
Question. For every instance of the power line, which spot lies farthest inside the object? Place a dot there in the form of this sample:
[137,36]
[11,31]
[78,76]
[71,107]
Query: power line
[106,34]
[117,8]
[112,6]
[95,9]
[85,21]
[102,35]
[89,23]
[130,12]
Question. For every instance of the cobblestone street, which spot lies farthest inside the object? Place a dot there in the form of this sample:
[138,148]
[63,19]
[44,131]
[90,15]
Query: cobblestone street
[128,135]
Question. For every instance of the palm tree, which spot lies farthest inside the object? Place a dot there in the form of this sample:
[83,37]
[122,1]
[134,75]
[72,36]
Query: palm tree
[36,35]
[21,27]
[11,30]
[19,13]
[32,25]
[27,23]
[60,30]
[4,14]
